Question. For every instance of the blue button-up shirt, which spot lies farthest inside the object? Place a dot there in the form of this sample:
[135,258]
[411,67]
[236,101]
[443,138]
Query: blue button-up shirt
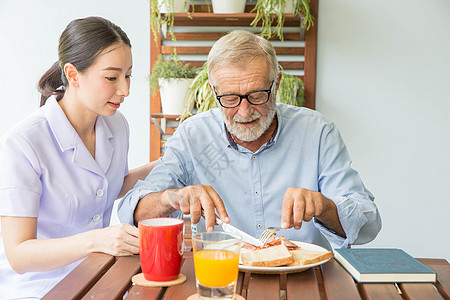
[306,151]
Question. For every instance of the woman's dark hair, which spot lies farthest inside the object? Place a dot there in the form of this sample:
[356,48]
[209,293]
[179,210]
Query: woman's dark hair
[80,44]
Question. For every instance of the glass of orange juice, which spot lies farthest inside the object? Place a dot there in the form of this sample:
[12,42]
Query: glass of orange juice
[216,261]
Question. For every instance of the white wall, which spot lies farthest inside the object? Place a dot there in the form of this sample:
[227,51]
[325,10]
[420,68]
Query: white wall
[29,34]
[383,77]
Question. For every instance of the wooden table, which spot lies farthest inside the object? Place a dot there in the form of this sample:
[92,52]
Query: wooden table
[101,276]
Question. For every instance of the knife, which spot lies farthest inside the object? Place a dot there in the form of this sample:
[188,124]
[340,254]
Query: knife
[245,236]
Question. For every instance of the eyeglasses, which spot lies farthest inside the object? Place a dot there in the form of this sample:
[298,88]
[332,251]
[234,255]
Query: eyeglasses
[254,98]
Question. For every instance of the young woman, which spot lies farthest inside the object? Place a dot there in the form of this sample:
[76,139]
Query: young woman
[62,167]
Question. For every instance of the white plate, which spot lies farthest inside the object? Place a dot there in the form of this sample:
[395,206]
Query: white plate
[286,269]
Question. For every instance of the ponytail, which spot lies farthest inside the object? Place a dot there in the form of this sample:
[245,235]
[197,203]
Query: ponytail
[51,82]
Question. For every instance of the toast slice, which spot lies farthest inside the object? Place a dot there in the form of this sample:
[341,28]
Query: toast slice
[268,257]
[306,257]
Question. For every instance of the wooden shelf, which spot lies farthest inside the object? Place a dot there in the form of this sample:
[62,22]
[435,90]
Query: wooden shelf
[160,120]
[298,58]
[211,19]
[168,117]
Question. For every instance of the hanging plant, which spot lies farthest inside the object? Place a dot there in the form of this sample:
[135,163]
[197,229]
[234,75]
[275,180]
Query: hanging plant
[302,7]
[200,95]
[269,11]
[159,18]
[290,90]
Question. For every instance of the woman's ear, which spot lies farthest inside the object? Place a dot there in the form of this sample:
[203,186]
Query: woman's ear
[71,73]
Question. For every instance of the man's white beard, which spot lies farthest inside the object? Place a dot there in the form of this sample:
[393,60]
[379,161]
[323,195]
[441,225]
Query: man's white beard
[251,134]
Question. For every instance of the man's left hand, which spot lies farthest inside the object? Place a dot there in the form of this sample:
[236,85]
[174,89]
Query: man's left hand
[300,205]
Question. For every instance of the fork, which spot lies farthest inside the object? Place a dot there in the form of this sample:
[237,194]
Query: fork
[267,234]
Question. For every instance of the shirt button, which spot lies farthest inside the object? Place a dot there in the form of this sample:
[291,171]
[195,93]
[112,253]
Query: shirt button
[100,193]
[96,218]
[259,226]
[256,192]
[253,157]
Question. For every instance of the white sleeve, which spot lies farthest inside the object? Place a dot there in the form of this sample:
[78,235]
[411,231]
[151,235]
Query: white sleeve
[20,185]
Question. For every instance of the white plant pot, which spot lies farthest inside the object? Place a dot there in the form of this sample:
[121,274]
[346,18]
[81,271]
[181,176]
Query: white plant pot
[178,6]
[288,7]
[228,6]
[173,94]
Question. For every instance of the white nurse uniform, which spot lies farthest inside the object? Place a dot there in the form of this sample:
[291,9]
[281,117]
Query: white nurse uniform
[47,172]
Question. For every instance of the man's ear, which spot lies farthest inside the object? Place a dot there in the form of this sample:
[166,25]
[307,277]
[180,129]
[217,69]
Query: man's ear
[210,86]
[71,74]
[279,80]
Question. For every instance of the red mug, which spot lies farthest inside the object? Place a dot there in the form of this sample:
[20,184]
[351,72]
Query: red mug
[161,248]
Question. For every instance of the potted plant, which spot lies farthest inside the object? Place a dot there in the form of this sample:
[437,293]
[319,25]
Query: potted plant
[228,6]
[202,98]
[269,10]
[172,78]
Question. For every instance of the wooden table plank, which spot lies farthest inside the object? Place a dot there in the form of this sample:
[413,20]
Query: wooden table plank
[77,283]
[417,291]
[115,282]
[379,291]
[433,261]
[145,293]
[443,279]
[101,276]
[138,292]
[186,289]
[245,280]
[263,286]
[240,283]
[338,283]
[303,285]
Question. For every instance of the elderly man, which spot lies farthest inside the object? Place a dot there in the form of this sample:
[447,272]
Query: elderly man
[256,162]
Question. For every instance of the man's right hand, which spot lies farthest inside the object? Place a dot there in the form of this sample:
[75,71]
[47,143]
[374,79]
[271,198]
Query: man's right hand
[193,199]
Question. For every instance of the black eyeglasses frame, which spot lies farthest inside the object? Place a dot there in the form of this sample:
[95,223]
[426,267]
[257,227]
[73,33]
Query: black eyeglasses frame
[269,92]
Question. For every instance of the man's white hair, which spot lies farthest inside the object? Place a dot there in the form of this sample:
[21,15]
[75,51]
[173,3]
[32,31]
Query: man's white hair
[238,47]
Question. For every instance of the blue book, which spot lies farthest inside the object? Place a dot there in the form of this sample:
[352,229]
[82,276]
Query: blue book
[383,265]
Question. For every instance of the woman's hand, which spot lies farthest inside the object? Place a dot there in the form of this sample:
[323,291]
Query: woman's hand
[118,240]
[27,253]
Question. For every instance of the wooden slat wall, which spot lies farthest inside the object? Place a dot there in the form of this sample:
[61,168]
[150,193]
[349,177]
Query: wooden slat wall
[196,35]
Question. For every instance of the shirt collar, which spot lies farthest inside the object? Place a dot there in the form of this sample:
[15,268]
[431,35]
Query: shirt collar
[67,138]
[230,139]
[65,134]
[271,141]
